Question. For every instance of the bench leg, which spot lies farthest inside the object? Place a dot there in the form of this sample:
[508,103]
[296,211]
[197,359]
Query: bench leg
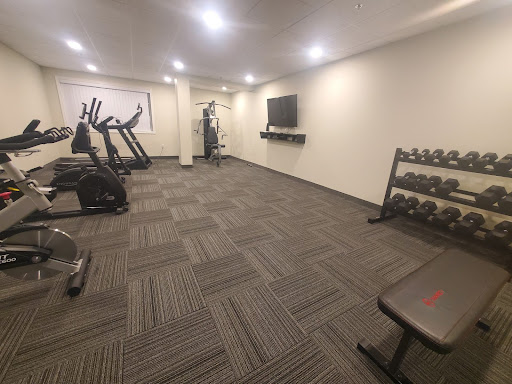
[391,369]
[484,324]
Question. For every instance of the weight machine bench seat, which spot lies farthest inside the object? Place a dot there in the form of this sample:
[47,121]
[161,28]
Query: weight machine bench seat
[217,145]
[439,303]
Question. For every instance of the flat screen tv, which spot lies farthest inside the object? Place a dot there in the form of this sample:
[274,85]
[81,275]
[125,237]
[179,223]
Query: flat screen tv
[282,111]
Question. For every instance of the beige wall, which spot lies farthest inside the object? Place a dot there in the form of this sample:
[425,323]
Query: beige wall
[450,88]
[23,98]
[162,100]
[224,115]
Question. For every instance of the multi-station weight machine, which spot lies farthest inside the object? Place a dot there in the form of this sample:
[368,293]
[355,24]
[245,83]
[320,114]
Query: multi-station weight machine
[211,129]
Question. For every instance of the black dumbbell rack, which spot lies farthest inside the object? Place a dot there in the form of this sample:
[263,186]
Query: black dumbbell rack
[386,215]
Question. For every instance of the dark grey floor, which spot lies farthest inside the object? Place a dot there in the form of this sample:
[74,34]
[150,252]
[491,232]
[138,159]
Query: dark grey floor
[233,274]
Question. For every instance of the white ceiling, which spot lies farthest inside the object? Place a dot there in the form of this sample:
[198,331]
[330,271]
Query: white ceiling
[267,38]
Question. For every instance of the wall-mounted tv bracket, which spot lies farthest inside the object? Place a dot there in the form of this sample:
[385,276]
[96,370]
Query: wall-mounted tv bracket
[210,119]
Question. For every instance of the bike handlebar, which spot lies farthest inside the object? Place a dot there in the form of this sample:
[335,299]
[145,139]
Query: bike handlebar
[51,135]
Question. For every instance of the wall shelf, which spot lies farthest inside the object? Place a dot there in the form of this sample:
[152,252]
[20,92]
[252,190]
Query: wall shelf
[295,138]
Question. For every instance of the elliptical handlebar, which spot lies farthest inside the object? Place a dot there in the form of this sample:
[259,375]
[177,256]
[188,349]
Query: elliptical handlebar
[51,135]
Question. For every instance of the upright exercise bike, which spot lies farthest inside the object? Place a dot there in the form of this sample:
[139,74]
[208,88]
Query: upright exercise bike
[34,252]
[211,130]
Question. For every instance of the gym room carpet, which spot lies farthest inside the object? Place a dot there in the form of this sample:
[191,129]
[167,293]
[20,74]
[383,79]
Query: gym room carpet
[234,275]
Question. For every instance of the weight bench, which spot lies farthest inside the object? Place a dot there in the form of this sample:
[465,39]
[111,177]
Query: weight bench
[438,304]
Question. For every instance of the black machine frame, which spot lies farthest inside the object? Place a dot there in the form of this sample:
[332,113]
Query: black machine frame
[209,116]
[399,158]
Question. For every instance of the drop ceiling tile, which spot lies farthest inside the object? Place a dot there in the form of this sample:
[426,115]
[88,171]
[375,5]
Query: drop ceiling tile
[280,14]
[108,18]
[348,38]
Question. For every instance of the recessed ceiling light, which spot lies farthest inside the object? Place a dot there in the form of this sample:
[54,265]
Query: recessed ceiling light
[74,45]
[167,79]
[316,52]
[249,78]
[91,67]
[224,89]
[178,65]
[358,6]
[212,20]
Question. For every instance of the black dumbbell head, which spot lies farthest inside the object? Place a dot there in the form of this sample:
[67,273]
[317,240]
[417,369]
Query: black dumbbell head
[501,235]
[467,160]
[425,210]
[427,185]
[474,217]
[506,204]
[423,153]
[504,165]
[453,155]
[391,202]
[448,216]
[447,187]
[407,205]
[490,196]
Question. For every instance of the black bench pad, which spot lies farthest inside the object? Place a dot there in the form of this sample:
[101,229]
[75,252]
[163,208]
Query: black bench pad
[442,301]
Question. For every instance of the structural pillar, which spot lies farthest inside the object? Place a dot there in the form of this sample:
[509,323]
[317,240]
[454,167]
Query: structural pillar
[184,121]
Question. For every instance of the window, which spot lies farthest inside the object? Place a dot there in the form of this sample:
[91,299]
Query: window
[116,101]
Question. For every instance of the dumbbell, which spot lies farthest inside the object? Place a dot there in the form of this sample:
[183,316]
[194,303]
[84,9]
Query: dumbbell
[405,206]
[401,181]
[506,204]
[450,156]
[469,223]
[434,155]
[504,165]
[466,161]
[391,202]
[447,187]
[487,159]
[501,234]
[425,210]
[411,153]
[490,196]
[448,216]
[412,183]
[421,155]
[427,185]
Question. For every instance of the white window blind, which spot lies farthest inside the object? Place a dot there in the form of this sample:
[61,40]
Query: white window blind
[117,102]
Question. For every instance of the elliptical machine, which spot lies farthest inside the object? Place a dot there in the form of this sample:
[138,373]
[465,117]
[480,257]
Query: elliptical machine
[99,190]
[67,174]
[212,148]
[35,252]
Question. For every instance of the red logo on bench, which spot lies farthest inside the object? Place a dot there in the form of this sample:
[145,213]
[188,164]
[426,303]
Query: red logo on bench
[432,301]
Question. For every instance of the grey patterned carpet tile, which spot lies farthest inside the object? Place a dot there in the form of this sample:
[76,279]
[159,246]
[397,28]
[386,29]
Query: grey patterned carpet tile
[187,350]
[150,217]
[250,236]
[105,243]
[149,235]
[311,248]
[209,246]
[194,227]
[273,260]
[147,205]
[220,206]
[235,274]
[100,224]
[233,219]
[225,277]
[304,363]
[254,327]
[347,273]
[106,272]
[176,192]
[149,261]
[158,299]
[17,296]
[263,213]
[12,333]
[187,212]
[312,299]
[67,329]
[99,366]
[185,200]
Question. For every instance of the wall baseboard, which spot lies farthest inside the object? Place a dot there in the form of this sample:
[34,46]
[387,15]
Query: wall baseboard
[367,204]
